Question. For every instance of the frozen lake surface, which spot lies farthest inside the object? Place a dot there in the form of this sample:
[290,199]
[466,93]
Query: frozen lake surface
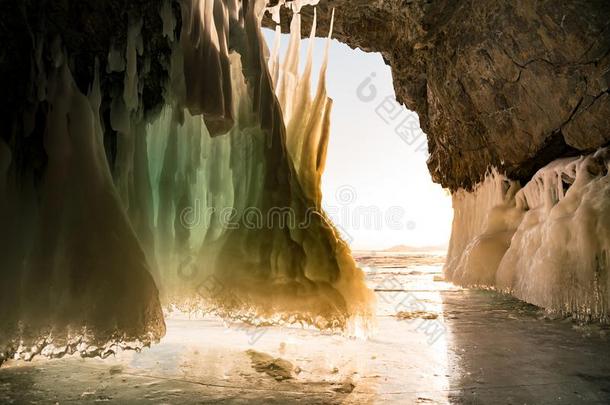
[433,343]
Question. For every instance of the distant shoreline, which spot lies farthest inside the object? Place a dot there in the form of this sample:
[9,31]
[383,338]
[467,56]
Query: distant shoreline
[406,249]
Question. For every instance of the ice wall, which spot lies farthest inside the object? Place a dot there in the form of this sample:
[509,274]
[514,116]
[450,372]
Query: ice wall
[238,224]
[483,224]
[547,243]
[73,275]
[211,204]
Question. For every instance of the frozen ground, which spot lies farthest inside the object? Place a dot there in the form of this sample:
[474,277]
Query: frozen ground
[447,345]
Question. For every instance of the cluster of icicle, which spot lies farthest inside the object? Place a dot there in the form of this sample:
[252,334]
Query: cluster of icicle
[213,204]
[547,243]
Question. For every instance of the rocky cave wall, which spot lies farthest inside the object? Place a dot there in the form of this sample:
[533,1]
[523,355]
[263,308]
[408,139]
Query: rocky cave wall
[513,85]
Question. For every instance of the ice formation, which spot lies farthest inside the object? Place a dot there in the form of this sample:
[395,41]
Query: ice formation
[74,277]
[547,243]
[211,204]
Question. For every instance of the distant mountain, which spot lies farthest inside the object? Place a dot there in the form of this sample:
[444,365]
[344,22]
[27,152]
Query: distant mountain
[405,248]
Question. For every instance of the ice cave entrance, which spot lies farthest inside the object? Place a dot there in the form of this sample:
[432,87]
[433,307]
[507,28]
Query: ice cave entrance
[376,186]
[236,140]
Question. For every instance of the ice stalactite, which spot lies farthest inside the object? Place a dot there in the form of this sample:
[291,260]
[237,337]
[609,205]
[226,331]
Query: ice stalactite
[308,120]
[547,243]
[211,203]
[74,277]
[483,224]
[238,217]
[204,42]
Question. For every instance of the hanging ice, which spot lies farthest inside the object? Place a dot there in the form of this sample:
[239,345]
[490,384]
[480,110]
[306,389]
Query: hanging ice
[215,198]
[74,277]
[238,215]
[548,243]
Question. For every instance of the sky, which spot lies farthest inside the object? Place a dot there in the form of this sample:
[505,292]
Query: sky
[376,186]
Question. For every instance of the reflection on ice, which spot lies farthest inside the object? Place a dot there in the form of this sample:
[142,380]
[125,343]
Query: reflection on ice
[492,346]
[221,359]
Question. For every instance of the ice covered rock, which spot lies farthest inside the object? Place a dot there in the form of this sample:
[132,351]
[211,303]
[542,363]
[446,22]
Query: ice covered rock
[547,243]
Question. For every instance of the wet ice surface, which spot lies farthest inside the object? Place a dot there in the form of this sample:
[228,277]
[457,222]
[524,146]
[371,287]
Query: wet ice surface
[448,345]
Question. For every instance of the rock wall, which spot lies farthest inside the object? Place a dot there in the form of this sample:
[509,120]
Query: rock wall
[507,84]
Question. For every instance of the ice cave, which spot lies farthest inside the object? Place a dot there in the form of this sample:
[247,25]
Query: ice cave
[305,201]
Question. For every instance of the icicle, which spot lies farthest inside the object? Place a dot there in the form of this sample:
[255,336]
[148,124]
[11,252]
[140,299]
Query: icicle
[560,255]
[296,5]
[206,65]
[229,236]
[548,244]
[275,12]
[169,20]
[116,61]
[274,59]
[484,222]
[211,198]
[76,268]
[130,87]
[290,69]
